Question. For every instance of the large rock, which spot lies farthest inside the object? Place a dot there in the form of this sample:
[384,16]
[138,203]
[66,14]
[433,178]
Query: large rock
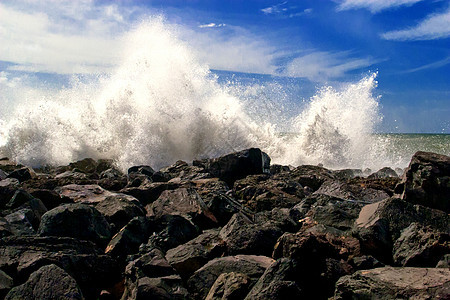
[395,283]
[49,198]
[191,256]
[380,224]
[420,246]
[22,174]
[93,270]
[426,181]
[168,287]
[6,283]
[77,221]
[48,283]
[261,192]
[184,202]
[243,236]
[237,165]
[7,189]
[202,280]
[307,175]
[147,192]
[87,194]
[277,282]
[229,286]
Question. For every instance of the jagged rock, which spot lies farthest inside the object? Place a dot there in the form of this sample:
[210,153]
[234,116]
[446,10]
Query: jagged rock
[49,282]
[87,165]
[7,189]
[129,238]
[346,174]
[87,194]
[20,222]
[444,262]
[229,286]
[279,217]
[385,172]
[261,192]
[352,191]
[365,262]
[6,283]
[426,181]
[93,271]
[275,169]
[237,165]
[9,166]
[145,170]
[306,175]
[168,287]
[151,264]
[148,192]
[340,214]
[119,209]
[191,256]
[77,221]
[395,283]
[380,224]
[182,171]
[3,174]
[277,282]
[49,198]
[243,236]
[171,231]
[184,202]
[202,280]
[22,174]
[420,246]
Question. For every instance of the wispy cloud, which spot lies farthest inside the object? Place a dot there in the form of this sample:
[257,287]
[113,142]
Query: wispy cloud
[434,65]
[435,26]
[275,9]
[212,25]
[373,5]
[322,65]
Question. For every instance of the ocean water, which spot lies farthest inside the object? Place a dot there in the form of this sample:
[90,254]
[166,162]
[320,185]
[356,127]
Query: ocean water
[161,105]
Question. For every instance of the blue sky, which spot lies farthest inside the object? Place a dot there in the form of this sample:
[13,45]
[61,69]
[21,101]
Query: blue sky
[316,42]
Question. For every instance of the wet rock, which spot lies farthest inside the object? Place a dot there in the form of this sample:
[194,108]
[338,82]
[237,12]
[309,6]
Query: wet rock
[168,287]
[171,231]
[3,174]
[275,169]
[426,181]
[49,282]
[365,262]
[261,192]
[87,165]
[345,174]
[49,198]
[22,174]
[6,283]
[352,190]
[7,189]
[145,170]
[148,192]
[203,279]
[444,262]
[185,202]
[395,283]
[229,286]
[307,175]
[243,236]
[380,224]
[93,271]
[129,238]
[238,165]
[20,222]
[420,246]
[191,256]
[277,282]
[383,173]
[77,221]
[87,194]
[119,209]
[8,166]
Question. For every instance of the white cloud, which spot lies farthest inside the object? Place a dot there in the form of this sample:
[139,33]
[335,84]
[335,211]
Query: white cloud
[212,25]
[373,5]
[321,65]
[434,65]
[275,9]
[435,26]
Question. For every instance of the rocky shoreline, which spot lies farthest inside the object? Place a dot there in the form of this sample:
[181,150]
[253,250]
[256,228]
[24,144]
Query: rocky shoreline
[233,227]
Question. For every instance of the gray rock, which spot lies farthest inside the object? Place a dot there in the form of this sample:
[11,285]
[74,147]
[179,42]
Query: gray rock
[395,283]
[168,287]
[384,173]
[49,282]
[6,283]
[77,221]
[229,286]
[202,280]
[420,246]
[87,194]
[444,262]
[7,189]
[426,181]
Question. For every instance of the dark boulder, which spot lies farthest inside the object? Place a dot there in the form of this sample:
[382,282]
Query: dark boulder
[145,170]
[203,279]
[87,194]
[191,256]
[148,192]
[7,189]
[168,287]
[420,246]
[365,262]
[229,286]
[357,189]
[238,165]
[307,176]
[87,165]
[277,282]
[444,262]
[119,209]
[385,172]
[49,198]
[380,224]
[22,174]
[6,283]
[395,283]
[426,181]
[48,283]
[77,221]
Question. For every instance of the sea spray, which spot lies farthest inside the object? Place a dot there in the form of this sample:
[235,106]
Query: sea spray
[161,105]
